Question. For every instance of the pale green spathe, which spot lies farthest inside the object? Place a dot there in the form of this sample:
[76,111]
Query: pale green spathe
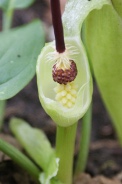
[61,115]
[73,18]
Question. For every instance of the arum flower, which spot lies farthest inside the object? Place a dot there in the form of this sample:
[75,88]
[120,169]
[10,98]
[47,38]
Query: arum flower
[64,82]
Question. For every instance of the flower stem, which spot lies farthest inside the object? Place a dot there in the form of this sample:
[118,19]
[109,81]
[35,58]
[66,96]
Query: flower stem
[65,141]
[57,24]
[8,15]
[2,111]
[6,24]
[84,142]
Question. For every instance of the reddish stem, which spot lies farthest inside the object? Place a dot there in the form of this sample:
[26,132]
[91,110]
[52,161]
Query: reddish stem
[57,24]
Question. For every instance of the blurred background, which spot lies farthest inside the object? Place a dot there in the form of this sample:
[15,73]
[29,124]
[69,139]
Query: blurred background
[105,154]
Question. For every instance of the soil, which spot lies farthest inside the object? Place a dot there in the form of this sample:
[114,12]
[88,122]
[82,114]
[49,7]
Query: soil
[104,164]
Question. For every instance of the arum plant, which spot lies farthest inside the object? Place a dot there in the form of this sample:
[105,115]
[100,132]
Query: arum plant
[67,65]
[65,88]
[65,85]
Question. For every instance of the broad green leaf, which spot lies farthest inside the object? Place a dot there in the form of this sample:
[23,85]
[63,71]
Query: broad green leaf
[15,4]
[104,46]
[38,147]
[34,142]
[22,4]
[19,49]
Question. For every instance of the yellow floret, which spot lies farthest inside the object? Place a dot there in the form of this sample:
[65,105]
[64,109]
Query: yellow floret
[66,94]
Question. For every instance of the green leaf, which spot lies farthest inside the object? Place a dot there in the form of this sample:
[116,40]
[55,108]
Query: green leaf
[15,4]
[104,46]
[19,49]
[51,172]
[23,4]
[38,147]
[34,142]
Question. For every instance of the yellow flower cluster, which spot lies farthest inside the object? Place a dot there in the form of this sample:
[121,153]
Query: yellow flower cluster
[66,94]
